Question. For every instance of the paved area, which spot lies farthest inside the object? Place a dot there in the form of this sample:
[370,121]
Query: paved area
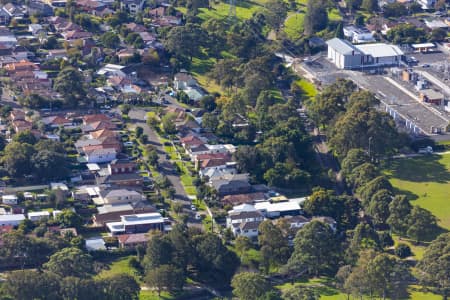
[138,117]
[400,101]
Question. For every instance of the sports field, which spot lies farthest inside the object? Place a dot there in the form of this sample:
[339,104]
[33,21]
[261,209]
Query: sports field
[426,182]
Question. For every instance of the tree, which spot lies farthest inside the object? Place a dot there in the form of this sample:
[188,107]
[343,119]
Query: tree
[213,260]
[208,102]
[210,121]
[399,210]
[369,5]
[316,18]
[395,10]
[50,165]
[274,246]
[68,218]
[249,286]
[422,224]
[25,137]
[121,287]
[70,262]
[69,83]
[354,158]
[152,119]
[315,249]
[110,40]
[168,123]
[17,159]
[435,264]
[361,175]
[31,285]
[275,14]
[402,250]
[242,244]
[378,207]
[438,35]
[159,251]
[185,41]
[300,293]
[367,191]
[34,101]
[165,277]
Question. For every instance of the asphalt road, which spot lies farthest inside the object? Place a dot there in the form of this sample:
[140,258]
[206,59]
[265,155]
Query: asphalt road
[137,115]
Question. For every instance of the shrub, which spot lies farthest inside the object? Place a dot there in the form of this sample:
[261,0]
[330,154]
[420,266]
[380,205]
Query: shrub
[402,250]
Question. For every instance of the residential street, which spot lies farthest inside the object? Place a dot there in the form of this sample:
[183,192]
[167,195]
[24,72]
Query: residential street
[137,116]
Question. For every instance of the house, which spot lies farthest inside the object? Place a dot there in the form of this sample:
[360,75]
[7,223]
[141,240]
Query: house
[57,54]
[127,241]
[210,149]
[5,18]
[57,121]
[100,155]
[191,141]
[21,126]
[435,23]
[133,27]
[121,173]
[11,220]
[94,126]
[273,210]
[118,196]
[7,38]
[214,173]
[427,4]
[102,133]
[10,199]
[111,213]
[36,29]
[296,222]
[14,11]
[244,220]
[247,198]
[38,215]
[132,6]
[17,114]
[348,56]
[327,220]
[137,223]
[183,80]
[112,70]
[76,35]
[231,184]
[157,12]
[147,37]
[213,160]
[358,35]
[39,8]
[59,186]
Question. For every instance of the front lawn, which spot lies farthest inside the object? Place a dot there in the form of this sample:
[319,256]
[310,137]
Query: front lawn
[426,181]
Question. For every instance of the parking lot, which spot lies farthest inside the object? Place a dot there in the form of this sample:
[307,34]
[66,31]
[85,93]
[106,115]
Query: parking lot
[407,110]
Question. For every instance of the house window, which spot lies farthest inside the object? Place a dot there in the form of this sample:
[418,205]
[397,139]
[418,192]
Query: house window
[245,231]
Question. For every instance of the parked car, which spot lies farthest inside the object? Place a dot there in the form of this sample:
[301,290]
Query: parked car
[193,207]
[198,216]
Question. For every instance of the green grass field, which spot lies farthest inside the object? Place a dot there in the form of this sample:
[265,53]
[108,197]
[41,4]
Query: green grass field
[244,10]
[293,26]
[426,181]
[324,286]
[309,88]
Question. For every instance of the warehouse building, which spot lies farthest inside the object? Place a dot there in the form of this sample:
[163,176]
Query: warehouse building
[348,56]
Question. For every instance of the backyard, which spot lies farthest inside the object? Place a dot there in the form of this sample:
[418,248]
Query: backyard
[425,180]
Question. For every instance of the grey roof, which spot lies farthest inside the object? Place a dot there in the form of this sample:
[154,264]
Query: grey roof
[118,193]
[342,46]
[245,215]
[250,225]
[118,177]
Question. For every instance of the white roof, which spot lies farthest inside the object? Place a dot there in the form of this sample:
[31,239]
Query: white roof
[16,217]
[43,213]
[93,167]
[243,207]
[277,207]
[380,50]
[137,219]
[342,46]
[9,197]
[115,226]
[423,45]
[58,186]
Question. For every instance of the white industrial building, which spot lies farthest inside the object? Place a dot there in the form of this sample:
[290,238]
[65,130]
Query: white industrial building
[345,55]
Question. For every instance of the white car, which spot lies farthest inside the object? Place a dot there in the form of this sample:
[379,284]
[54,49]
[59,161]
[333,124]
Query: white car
[198,216]
[193,207]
